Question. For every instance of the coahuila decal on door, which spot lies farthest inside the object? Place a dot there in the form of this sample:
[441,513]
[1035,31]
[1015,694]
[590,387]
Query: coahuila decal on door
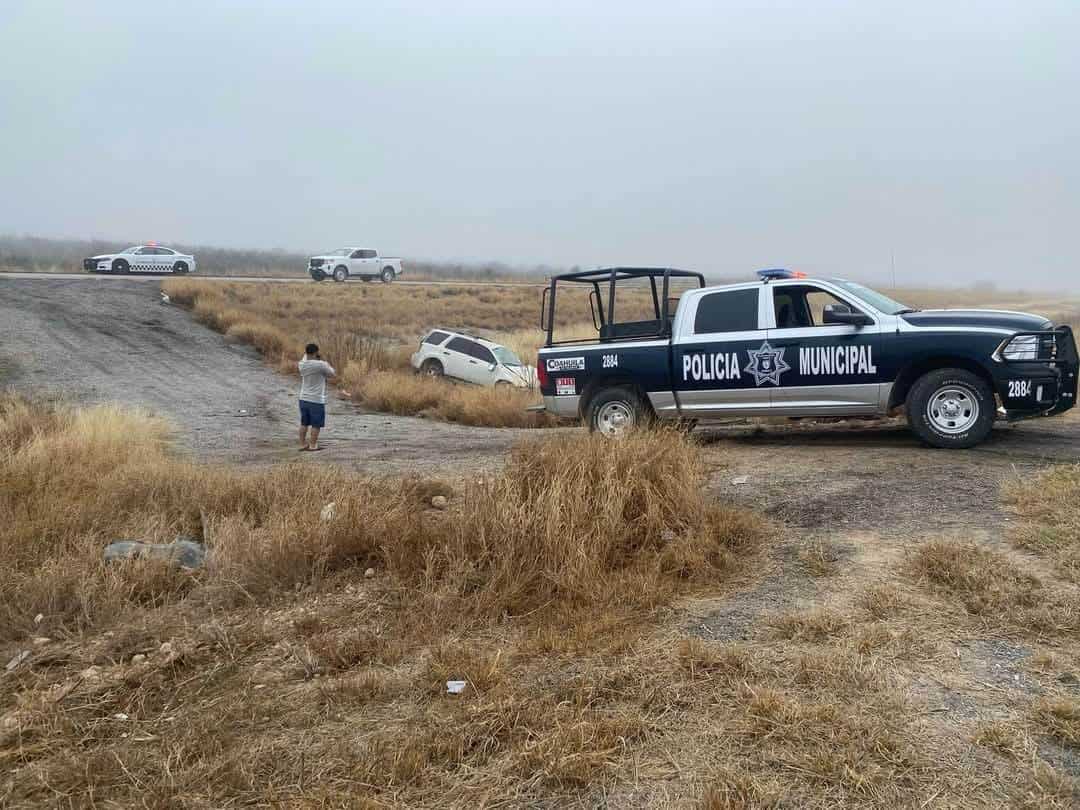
[766,364]
[566,364]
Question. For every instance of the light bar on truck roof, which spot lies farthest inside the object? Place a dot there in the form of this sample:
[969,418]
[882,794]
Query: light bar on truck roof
[778,273]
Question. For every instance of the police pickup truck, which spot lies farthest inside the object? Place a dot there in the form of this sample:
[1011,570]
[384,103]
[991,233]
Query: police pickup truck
[789,345]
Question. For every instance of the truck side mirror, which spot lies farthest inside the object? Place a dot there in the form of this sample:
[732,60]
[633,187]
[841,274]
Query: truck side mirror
[843,314]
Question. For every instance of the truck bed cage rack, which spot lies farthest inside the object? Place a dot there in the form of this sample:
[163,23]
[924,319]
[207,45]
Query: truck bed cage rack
[604,321]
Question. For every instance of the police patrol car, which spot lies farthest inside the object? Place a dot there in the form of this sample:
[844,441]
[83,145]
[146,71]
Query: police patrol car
[151,258]
[789,345]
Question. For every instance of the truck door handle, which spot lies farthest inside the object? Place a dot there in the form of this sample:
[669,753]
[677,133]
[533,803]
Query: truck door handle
[473,362]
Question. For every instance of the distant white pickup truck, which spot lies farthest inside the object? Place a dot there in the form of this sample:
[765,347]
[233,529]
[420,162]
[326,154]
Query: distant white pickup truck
[353,262]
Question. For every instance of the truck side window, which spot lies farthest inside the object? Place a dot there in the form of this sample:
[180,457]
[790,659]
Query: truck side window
[366,254]
[731,311]
[798,307]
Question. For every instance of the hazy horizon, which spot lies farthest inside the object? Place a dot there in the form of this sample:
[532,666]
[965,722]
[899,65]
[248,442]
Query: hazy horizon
[829,138]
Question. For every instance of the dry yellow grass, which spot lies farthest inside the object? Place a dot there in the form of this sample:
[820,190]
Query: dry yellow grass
[1049,507]
[368,333]
[290,679]
[562,548]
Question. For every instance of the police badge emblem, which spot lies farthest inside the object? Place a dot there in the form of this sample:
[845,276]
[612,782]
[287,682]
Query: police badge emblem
[766,364]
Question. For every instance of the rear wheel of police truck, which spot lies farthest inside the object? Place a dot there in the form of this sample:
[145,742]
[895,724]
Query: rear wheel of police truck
[614,412]
[951,407]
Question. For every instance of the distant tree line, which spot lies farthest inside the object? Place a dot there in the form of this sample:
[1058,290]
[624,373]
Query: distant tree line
[40,254]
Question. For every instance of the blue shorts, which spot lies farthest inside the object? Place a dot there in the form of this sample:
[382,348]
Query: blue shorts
[312,414]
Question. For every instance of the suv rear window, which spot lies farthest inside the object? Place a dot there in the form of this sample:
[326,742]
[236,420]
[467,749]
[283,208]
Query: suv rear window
[729,311]
[435,338]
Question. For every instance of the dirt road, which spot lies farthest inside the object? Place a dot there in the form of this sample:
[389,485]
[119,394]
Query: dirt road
[115,341]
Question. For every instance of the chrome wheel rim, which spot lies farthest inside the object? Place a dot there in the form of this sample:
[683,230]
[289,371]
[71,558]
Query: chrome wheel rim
[614,418]
[952,409]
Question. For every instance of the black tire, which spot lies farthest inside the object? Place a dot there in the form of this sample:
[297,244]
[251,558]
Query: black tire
[341,272]
[120,266]
[317,274]
[387,275]
[951,407]
[616,411]
[432,368]
[180,268]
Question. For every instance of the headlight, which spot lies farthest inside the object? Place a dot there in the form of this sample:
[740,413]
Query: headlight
[1028,347]
[1023,347]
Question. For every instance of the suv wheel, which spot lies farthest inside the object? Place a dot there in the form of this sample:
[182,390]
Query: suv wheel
[387,275]
[431,368]
[340,273]
[951,407]
[614,412]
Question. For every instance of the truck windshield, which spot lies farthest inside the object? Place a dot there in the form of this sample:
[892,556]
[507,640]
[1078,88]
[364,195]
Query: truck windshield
[505,356]
[882,303]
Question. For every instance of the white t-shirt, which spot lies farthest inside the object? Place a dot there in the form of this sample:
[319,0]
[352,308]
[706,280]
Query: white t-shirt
[313,374]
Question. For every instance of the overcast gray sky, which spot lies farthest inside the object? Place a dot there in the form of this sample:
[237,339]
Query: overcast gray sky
[724,137]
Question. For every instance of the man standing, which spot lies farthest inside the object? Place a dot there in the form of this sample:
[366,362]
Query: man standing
[314,372]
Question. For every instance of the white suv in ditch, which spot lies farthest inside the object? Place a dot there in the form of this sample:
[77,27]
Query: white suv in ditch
[445,352]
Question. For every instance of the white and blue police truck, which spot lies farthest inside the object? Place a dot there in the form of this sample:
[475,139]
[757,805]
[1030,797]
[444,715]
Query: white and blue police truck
[794,346]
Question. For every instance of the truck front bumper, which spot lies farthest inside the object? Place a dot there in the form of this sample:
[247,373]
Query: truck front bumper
[1044,387]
